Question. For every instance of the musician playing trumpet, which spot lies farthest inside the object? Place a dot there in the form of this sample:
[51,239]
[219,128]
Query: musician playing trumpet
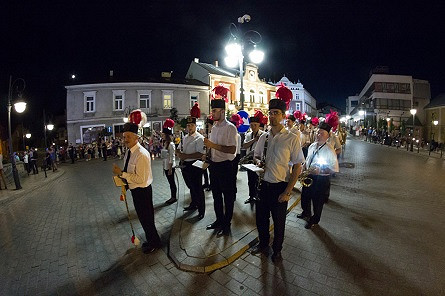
[249,144]
[322,162]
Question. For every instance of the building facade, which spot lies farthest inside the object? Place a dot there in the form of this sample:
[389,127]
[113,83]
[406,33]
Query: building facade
[257,92]
[302,100]
[92,108]
[390,98]
[435,117]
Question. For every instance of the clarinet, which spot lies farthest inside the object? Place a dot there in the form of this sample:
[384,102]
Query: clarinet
[263,162]
[207,158]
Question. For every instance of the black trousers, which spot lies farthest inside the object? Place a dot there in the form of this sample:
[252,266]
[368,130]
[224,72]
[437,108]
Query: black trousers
[143,203]
[252,181]
[206,178]
[171,182]
[193,179]
[235,166]
[266,205]
[223,184]
[318,192]
[35,169]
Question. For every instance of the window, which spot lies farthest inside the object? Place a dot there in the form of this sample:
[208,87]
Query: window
[297,96]
[89,99]
[167,98]
[194,98]
[118,100]
[354,103]
[252,96]
[261,98]
[298,107]
[144,97]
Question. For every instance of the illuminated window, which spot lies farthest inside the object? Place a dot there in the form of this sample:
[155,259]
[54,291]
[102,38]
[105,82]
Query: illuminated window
[252,96]
[194,98]
[167,98]
[261,97]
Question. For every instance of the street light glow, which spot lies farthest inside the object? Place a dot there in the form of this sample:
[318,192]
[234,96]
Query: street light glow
[436,122]
[361,112]
[256,56]
[28,136]
[73,76]
[231,62]
[50,127]
[413,111]
[388,119]
[125,119]
[20,107]
[234,50]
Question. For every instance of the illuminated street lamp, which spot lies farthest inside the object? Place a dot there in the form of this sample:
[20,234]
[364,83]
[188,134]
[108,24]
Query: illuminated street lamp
[19,107]
[236,48]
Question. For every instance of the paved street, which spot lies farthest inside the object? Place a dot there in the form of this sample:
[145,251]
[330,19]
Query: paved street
[381,234]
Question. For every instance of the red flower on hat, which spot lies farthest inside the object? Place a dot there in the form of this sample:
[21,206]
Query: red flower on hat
[315,121]
[332,120]
[195,111]
[168,123]
[297,115]
[284,94]
[135,116]
[236,119]
[220,91]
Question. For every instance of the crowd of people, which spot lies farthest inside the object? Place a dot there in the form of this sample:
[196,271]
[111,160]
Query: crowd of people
[281,149]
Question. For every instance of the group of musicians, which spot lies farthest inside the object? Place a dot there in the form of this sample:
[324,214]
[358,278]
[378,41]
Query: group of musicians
[283,148]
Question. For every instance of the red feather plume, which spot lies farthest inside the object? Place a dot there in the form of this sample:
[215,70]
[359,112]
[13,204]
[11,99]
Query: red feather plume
[315,121]
[258,114]
[221,91]
[135,117]
[195,111]
[332,120]
[284,94]
[297,115]
[264,120]
[168,123]
[236,119]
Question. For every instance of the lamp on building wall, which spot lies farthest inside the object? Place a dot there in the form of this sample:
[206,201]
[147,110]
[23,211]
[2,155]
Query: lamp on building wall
[19,107]
[236,48]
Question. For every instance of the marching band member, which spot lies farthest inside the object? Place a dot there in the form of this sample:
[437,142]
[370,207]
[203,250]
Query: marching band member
[237,121]
[304,135]
[278,147]
[322,161]
[168,158]
[249,144]
[138,175]
[222,142]
[193,149]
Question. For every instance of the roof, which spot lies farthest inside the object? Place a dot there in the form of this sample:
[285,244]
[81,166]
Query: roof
[212,69]
[438,101]
[172,80]
[409,121]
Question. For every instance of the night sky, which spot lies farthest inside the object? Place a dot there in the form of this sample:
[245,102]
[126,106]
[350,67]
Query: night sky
[329,45]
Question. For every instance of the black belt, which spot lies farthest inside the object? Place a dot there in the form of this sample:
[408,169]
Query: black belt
[273,185]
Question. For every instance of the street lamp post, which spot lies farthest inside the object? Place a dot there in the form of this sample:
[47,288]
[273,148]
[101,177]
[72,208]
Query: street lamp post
[235,50]
[19,108]
[413,113]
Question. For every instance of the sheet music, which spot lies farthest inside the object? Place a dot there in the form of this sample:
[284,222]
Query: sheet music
[253,168]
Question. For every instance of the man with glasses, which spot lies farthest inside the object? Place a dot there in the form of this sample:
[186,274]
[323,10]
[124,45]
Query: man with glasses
[222,142]
[277,148]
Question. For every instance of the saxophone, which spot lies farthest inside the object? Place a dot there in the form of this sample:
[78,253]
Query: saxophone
[304,178]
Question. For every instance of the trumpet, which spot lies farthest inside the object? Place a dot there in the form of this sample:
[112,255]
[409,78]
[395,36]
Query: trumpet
[304,178]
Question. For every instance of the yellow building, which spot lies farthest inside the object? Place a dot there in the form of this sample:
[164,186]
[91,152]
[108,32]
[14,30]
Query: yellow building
[435,117]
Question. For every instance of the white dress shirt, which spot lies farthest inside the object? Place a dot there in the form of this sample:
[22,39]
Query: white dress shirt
[325,157]
[238,143]
[138,173]
[192,144]
[168,156]
[282,149]
[223,133]
[248,138]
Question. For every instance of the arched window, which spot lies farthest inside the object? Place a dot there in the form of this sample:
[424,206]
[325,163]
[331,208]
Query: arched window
[252,96]
[261,98]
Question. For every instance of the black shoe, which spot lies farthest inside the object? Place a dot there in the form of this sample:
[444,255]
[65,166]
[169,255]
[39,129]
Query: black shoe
[303,216]
[190,208]
[171,201]
[310,225]
[249,200]
[224,231]
[258,249]
[214,225]
[276,257]
[200,216]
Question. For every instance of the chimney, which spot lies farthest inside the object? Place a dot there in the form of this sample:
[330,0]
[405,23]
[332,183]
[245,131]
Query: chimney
[216,63]
[196,60]
[111,73]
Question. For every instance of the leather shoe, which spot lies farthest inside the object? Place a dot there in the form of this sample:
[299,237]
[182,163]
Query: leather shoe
[310,225]
[147,248]
[214,225]
[276,257]
[190,208]
[224,231]
[171,201]
[200,216]
[303,216]
[258,249]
